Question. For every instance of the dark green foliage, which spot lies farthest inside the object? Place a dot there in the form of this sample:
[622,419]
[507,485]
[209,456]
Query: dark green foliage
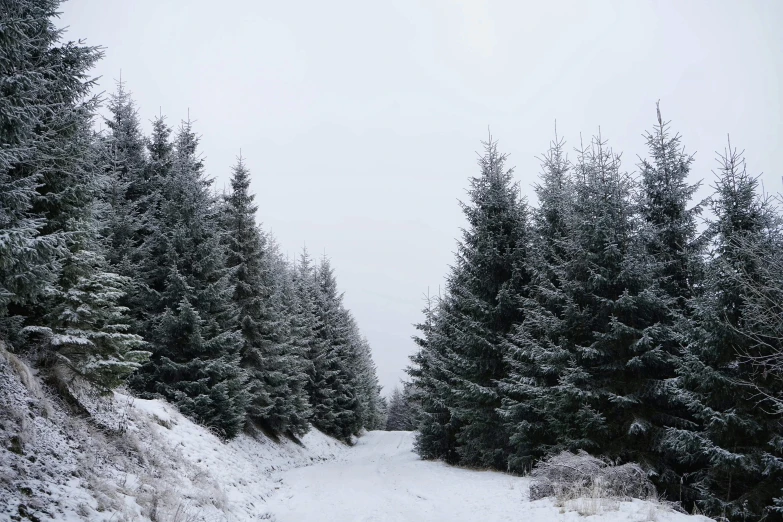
[90,330]
[334,363]
[482,303]
[194,337]
[436,437]
[124,187]
[736,451]
[45,114]
[535,358]
[273,368]
[627,342]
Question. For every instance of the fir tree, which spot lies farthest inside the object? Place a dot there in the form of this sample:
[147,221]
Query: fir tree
[45,116]
[194,338]
[431,380]
[535,358]
[482,303]
[736,450]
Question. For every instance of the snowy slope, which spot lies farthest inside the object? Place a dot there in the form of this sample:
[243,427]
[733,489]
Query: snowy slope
[382,480]
[131,459]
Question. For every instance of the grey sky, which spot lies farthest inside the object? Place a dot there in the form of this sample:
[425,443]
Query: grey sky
[360,120]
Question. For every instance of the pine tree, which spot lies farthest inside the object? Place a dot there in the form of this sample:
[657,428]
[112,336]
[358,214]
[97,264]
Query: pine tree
[124,186]
[431,381]
[482,303]
[536,360]
[335,375]
[194,337]
[45,113]
[736,450]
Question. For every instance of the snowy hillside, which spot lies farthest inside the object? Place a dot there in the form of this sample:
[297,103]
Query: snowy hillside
[131,459]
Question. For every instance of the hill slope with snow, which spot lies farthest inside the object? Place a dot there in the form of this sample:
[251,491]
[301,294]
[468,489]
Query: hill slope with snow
[128,459]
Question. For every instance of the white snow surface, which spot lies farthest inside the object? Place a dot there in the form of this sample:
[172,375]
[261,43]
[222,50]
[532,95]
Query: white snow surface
[381,479]
[131,459]
[137,460]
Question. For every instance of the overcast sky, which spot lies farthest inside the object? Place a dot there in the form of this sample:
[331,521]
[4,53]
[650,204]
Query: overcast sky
[360,120]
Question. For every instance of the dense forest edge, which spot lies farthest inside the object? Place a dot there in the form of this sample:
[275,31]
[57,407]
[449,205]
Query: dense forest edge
[120,265]
[613,319]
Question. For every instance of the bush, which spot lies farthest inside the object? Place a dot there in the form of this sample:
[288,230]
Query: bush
[569,476]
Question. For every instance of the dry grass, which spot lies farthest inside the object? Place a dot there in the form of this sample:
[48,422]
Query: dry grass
[589,485]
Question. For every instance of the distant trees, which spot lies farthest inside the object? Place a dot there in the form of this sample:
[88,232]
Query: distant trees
[401,414]
[120,262]
[606,322]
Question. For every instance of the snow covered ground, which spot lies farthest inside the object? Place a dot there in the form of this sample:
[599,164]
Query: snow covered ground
[138,460]
[382,480]
[131,459]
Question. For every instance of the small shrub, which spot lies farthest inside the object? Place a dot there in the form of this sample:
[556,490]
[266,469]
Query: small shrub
[568,476]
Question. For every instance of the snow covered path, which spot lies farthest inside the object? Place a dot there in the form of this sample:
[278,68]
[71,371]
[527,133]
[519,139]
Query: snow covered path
[381,479]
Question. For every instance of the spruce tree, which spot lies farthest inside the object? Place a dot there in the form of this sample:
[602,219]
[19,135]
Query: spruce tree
[371,404]
[735,451]
[535,358]
[482,303]
[609,310]
[89,329]
[271,367]
[668,232]
[294,331]
[431,381]
[308,340]
[194,336]
[400,415]
[124,186]
[335,366]
[144,299]
[45,116]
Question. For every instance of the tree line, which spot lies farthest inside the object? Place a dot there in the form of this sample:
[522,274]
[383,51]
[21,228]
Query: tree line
[120,263]
[606,319]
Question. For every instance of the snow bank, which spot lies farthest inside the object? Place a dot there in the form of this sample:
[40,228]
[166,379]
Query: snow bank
[131,459]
